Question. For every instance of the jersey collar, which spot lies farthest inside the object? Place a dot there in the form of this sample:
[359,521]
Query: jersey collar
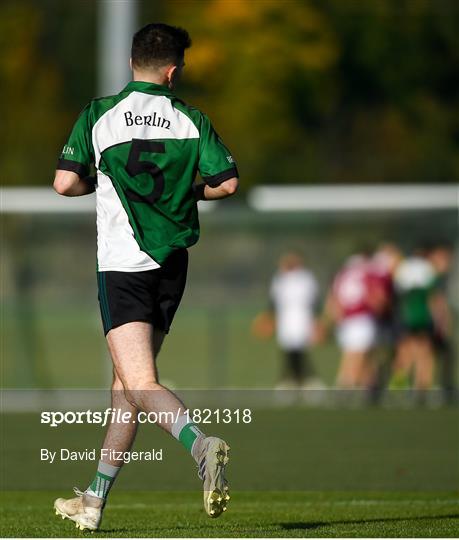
[147,87]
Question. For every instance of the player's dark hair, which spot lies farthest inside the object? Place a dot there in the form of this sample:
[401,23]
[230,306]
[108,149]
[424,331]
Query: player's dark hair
[157,45]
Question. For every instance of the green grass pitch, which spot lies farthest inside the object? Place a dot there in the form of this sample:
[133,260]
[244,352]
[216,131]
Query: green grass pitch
[294,472]
[251,514]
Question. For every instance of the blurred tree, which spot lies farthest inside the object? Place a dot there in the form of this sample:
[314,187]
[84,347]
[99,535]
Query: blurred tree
[242,69]
[302,90]
[32,120]
[395,117]
[45,81]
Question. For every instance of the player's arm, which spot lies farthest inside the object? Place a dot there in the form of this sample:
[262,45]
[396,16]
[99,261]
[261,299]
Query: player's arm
[331,314]
[70,184]
[77,156]
[440,311]
[264,324]
[204,192]
[216,166]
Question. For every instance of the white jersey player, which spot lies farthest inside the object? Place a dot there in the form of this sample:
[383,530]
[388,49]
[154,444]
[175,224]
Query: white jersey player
[294,293]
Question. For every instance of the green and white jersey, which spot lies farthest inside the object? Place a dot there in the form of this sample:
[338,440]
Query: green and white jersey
[415,282]
[147,146]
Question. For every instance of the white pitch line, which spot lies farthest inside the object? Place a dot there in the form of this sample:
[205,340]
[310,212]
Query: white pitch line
[355,502]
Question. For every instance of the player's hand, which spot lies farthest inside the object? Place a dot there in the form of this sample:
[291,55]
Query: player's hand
[263,326]
[319,333]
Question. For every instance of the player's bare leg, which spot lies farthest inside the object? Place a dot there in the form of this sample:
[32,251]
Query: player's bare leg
[120,436]
[423,366]
[403,363]
[367,373]
[351,366]
[134,361]
[86,508]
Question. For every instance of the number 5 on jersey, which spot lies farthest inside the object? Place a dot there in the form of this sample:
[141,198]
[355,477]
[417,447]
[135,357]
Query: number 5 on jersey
[135,166]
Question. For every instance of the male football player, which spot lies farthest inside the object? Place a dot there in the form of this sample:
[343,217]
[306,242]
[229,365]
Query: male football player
[441,258]
[147,146]
[293,295]
[350,305]
[415,282]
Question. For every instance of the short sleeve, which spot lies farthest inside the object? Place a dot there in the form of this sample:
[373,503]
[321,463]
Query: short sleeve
[216,164]
[77,154]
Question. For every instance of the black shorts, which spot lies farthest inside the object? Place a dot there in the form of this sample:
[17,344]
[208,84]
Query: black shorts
[152,296]
[424,330]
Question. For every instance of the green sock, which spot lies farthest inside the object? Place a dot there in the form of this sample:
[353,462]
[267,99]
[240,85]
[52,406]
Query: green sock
[186,432]
[103,481]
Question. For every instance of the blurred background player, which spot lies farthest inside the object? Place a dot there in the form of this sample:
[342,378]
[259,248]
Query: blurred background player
[440,257]
[415,285]
[351,305]
[383,265]
[293,296]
